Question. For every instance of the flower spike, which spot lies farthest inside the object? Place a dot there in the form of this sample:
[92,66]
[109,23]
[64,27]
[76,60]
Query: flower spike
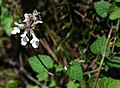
[29,24]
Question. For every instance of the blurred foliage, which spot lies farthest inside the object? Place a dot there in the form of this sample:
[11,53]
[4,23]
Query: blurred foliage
[72,41]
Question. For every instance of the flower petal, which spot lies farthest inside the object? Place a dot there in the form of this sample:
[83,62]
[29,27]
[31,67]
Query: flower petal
[39,21]
[35,44]
[34,41]
[23,43]
[16,30]
[24,40]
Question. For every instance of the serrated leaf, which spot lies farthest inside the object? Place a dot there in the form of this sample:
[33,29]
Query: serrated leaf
[108,83]
[75,71]
[114,62]
[115,15]
[113,8]
[12,84]
[101,83]
[102,8]
[114,84]
[36,64]
[99,45]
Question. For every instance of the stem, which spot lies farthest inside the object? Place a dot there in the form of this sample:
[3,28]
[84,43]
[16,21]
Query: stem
[90,72]
[103,57]
[49,72]
[117,28]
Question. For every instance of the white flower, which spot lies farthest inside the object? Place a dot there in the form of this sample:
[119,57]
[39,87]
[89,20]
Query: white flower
[26,17]
[21,26]
[39,21]
[16,30]
[34,41]
[24,39]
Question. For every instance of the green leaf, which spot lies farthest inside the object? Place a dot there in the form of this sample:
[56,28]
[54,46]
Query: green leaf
[99,45]
[31,86]
[39,68]
[114,84]
[12,84]
[75,71]
[115,15]
[7,21]
[91,82]
[117,43]
[47,60]
[117,0]
[113,8]
[71,84]
[66,25]
[102,8]
[108,83]
[52,84]
[42,76]
[114,62]
[101,83]
[36,64]
[1,2]
[58,68]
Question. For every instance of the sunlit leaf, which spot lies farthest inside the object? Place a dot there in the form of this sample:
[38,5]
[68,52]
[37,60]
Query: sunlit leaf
[36,64]
[71,84]
[99,45]
[7,21]
[31,86]
[42,75]
[102,8]
[117,0]
[75,71]
[108,83]
[115,15]
[12,84]
[52,84]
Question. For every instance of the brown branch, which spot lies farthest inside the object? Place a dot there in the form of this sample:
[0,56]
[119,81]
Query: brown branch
[103,57]
[47,47]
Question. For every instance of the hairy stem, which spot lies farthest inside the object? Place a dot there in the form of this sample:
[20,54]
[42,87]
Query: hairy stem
[103,57]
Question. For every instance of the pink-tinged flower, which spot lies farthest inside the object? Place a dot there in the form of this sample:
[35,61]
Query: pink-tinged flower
[24,39]
[34,41]
[29,24]
[16,30]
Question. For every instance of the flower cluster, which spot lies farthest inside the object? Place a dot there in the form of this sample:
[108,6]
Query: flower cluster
[29,24]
